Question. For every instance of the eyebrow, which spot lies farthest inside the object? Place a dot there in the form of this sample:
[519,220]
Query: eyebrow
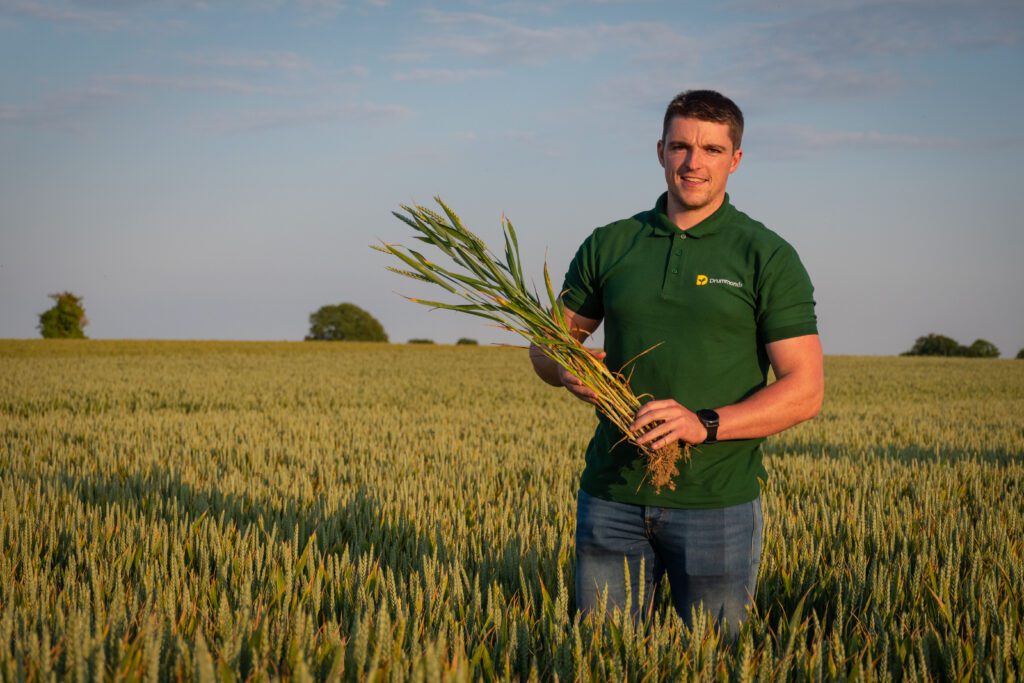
[683,143]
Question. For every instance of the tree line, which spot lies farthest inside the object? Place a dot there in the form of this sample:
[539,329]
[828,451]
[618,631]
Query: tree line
[941,345]
[347,322]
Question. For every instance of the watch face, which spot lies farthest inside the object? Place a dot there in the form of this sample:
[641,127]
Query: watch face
[708,416]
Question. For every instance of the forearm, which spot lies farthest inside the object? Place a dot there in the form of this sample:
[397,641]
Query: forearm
[779,406]
[545,368]
[796,396]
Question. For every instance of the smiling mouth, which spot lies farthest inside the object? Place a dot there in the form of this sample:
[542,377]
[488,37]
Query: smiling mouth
[693,179]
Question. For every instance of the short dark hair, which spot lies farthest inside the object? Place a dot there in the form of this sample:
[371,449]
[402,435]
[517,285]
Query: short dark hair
[706,105]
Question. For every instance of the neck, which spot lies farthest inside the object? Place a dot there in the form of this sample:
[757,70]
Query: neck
[684,217]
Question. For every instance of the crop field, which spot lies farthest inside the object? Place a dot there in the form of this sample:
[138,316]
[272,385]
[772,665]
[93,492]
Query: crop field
[224,511]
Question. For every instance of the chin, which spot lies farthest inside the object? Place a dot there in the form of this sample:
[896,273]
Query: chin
[692,203]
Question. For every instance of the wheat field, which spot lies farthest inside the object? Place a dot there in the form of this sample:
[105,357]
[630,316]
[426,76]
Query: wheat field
[255,511]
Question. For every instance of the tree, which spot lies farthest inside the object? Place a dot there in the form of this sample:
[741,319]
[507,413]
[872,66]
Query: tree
[935,345]
[421,341]
[941,345]
[982,348]
[466,341]
[344,322]
[1020,355]
[65,319]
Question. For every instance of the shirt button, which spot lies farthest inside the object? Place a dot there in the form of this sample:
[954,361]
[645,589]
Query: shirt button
[682,237]
[675,271]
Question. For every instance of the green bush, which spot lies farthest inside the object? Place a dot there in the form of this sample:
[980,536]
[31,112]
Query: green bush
[941,345]
[421,341]
[344,322]
[982,348]
[65,319]
[466,341]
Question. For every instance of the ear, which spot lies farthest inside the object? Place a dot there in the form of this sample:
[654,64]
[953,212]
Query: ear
[736,156]
[661,153]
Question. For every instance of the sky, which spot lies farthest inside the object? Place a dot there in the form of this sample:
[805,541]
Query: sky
[218,170]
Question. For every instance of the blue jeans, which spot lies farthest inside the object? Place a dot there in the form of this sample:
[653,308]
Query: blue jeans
[711,556]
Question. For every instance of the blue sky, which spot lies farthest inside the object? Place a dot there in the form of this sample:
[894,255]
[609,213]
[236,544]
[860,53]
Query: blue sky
[217,170]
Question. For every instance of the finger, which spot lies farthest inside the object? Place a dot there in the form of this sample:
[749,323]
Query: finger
[581,391]
[654,405]
[656,432]
[659,415]
[665,441]
[572,381]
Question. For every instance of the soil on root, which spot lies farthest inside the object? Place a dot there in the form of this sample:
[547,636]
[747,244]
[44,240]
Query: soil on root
[663,465]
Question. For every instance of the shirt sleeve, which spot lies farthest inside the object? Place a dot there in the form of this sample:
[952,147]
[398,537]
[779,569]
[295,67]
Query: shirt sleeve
[785,301]
[581,290]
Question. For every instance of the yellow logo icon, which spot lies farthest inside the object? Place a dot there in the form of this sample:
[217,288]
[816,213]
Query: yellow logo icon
[702,280]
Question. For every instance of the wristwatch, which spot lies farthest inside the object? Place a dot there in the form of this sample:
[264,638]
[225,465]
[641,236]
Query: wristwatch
[709,419]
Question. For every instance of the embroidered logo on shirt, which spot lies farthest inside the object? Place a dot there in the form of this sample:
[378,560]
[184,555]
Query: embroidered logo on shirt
[705,280]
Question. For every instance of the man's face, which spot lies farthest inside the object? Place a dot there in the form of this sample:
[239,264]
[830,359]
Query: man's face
[697,157]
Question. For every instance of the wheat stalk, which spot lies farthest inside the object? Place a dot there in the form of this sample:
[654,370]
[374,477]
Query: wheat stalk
[496,290]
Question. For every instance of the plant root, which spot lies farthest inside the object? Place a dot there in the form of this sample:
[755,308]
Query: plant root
[663,465]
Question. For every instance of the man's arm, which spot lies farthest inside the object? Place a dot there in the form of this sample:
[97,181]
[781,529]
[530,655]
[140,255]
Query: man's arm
[795,396]
[551,372]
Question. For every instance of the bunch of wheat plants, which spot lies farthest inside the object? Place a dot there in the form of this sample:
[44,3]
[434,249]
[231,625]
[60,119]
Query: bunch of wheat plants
[497,291]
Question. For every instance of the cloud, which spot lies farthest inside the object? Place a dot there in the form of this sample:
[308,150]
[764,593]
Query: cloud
[321,9]
[503,41]
[112,15]
[357,71]
[62,110]
[879,30]
[247,60]
[247,121]
[850,50]
[789,76]
[64,14]
[855,50]
[545,7]
[795,142]
[408,56]
[444,75]
[196,83]
[542,144]
[68,109]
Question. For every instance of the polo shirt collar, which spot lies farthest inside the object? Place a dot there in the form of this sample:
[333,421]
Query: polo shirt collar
[661,225]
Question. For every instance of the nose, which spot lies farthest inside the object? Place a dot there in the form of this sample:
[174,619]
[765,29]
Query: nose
[688,161]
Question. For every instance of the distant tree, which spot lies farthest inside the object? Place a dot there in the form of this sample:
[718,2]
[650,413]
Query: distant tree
[982,348]
[65,319]
[344,322]
[1020,355]
[466,341]
[935,345]
[421,341]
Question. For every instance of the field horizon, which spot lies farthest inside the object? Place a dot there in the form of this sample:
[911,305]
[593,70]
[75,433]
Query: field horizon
[480,345]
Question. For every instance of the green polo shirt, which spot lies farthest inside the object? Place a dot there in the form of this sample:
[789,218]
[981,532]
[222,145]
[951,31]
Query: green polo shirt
[710,297]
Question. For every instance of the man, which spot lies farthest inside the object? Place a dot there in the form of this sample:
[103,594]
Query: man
[723,298]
